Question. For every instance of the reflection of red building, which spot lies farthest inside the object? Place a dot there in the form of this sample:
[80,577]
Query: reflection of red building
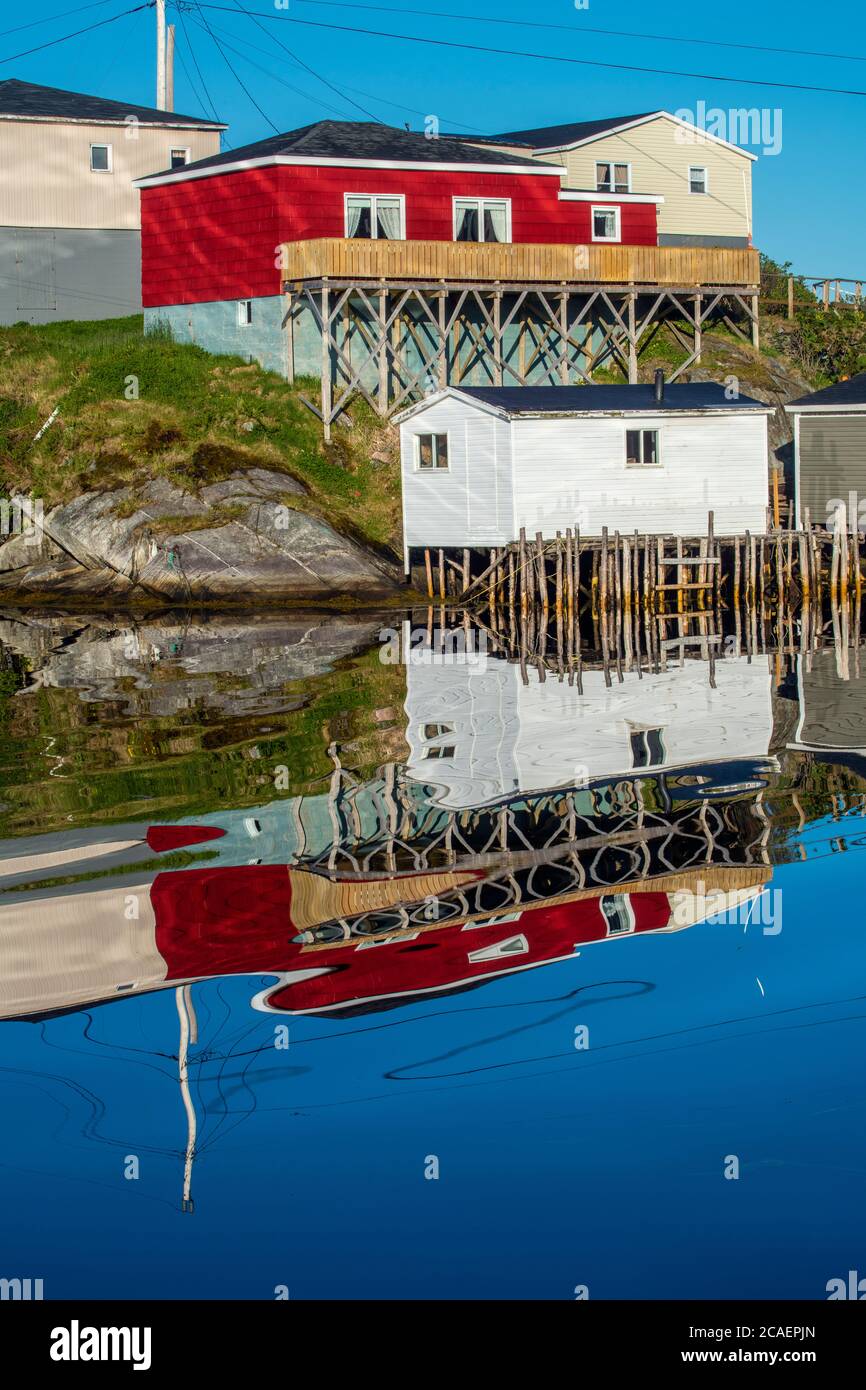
[242,920]
[79,948]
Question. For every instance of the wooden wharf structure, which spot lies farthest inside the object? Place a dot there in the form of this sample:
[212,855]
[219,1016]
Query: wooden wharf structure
[394,320]
[661,579]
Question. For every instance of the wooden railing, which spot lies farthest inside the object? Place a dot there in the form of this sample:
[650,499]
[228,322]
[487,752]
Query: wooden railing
[519,263]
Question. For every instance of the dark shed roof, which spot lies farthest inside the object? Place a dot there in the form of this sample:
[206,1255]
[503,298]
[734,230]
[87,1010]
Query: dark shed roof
[29,99]
[361,140]
[543,137]
[850,393]
[578,400]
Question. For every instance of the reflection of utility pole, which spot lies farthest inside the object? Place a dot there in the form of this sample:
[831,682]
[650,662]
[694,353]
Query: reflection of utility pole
[188,1032]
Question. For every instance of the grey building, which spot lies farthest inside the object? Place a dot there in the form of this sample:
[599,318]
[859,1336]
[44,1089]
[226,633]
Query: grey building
[70,223]
[830,453]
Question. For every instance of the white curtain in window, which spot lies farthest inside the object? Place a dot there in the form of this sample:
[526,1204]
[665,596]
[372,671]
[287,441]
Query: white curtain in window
[466,228]
[354,210]
[495,222]
[388,213]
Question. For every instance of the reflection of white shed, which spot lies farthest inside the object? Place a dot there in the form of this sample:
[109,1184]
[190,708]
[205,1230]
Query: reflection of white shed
[481,462]
[480,734]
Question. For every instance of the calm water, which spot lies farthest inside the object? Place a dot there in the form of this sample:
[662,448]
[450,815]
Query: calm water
[337,965]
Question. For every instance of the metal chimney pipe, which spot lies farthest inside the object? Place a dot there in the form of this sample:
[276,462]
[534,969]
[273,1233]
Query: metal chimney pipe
[660,386]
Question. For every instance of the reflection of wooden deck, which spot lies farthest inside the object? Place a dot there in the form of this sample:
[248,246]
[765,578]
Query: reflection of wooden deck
[519,264]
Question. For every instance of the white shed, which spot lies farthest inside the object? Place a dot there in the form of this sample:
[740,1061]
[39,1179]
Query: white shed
[479,463]
[478,733]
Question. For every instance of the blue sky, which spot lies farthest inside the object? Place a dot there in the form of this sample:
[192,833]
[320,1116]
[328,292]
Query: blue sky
[400,82]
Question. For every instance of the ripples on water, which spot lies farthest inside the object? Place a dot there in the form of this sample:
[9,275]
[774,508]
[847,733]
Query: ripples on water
[286,930]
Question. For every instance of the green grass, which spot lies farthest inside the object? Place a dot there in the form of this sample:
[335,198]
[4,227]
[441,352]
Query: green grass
[135,406]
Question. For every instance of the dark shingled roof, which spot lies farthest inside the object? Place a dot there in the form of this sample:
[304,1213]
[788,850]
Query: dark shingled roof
[577,400]
[361,140]
[546,136]
[851,392]
[29,99]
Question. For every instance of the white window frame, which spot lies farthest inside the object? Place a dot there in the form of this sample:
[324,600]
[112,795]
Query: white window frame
[245,313]
[416,446]
[642,430]
[480,200]
[102,145]
[617,212]
[612,163]
[699,168]
[374,220]
[179,149]
[628,908]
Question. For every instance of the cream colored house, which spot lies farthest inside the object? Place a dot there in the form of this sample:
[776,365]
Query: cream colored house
[706,182]
[70,239]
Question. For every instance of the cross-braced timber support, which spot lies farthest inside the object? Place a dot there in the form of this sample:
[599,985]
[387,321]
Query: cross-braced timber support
[392,343]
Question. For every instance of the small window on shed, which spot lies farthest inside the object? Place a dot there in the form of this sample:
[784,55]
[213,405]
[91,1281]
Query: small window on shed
[100,159]
[642,448]
[432,451]
[245,312]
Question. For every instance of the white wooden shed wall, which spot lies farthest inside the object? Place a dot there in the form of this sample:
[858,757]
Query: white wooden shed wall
[548,473]
[471,503]
[508,738]
[570,471]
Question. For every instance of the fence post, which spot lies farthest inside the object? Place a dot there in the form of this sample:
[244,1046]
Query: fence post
[790,296]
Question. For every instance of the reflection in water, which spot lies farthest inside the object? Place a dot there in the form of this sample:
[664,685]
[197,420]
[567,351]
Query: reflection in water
[398,850]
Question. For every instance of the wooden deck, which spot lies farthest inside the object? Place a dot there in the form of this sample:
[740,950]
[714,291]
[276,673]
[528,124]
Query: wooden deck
[518,264]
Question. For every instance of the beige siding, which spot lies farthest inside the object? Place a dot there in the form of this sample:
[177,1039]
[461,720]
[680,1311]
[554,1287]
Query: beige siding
[46,179]
[660,158]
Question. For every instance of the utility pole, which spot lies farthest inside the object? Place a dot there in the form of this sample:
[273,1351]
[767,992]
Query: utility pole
[160,54]
[169,70]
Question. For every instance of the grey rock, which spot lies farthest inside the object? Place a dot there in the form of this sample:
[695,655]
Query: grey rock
[270,551]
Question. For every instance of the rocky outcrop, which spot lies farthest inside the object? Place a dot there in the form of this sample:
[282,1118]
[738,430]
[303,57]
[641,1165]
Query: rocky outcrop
[160,665]
[155,544]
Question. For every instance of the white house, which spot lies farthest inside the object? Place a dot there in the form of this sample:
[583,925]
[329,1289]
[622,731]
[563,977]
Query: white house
[478,734]
[479,463]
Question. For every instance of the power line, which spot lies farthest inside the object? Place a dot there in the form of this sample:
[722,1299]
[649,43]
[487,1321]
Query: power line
[239,81]
[317,101]
[49,19]
[250,14]
[555,57]
[98,25]
[195,63]
[398,105]
[586,29]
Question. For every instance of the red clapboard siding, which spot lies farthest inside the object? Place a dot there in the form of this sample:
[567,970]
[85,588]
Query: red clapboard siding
[216,238]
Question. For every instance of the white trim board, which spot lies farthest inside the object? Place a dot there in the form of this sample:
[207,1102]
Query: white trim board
[630,125]
[320,161]
[569,195]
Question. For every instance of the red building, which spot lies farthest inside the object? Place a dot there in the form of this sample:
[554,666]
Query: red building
[387,264]
[355,181]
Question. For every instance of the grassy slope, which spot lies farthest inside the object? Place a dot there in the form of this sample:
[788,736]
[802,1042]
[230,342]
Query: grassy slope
[197,418]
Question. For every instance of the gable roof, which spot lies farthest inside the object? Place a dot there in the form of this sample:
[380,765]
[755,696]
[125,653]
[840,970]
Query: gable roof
[844,395]
[354,142]
[514,401]
[565,137]
[30,101]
